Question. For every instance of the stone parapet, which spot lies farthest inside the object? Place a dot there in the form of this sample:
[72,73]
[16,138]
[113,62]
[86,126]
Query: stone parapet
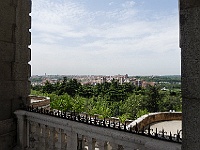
[39,101]
[39,131]
[146,120]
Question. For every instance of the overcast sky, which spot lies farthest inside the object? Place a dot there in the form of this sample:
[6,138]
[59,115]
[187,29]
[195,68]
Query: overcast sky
[105,37]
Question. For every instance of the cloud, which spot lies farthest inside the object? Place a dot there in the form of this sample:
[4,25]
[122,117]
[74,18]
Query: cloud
[128,4]
[67,36]
[111,3]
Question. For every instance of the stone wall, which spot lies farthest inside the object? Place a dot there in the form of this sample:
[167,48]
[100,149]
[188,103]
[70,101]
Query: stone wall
[15,38]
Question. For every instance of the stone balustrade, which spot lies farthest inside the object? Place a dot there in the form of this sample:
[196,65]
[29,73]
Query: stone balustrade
[150,118]
[42,131]
[39,101]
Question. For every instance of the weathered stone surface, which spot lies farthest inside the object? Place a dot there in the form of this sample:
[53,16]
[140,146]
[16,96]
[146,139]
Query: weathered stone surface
[22,54]
[8,141]
[185,4]
[77,133]
[190,88]
[22,88]
[7,126]
[7,21]
[7,51]
[21,71]
[5,111]
[6,72]
[15,38]
[190,70]
[189,28]
[7,89]
[191,123]
[23,36]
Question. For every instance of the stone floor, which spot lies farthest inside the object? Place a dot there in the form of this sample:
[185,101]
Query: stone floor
[168,126]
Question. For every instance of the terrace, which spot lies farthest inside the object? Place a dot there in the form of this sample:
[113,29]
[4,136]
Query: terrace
[44,129]
[36,129]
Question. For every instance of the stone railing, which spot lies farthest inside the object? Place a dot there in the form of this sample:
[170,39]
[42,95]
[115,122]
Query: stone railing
[42,129]
[148,119]
[39,101]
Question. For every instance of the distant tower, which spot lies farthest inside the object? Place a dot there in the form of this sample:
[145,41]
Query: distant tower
[103,79]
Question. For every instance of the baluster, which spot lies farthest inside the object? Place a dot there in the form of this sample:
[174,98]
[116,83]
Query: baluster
[52,138]
[81,142]
[114,146]
[58,142]
[32,137]
[86,118]
[119,126]
[72,140]
[136,128]
[143,130]
[102,145]
[149,130]
[21,126]
[127,148]
[125,126]
[170,136]
[28,133]
[43,137]
[91,143]
[35,135]
[156,134]
[64,140]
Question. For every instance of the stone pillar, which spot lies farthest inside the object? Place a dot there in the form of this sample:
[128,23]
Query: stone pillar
[22,131]
[190,71]
[15,71]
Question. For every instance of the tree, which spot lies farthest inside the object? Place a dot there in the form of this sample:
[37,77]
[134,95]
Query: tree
[48,88]
[62,102]
[85,91]
[152,99]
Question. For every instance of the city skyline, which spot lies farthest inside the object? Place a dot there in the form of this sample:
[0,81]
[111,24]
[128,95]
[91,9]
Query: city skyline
[138,37]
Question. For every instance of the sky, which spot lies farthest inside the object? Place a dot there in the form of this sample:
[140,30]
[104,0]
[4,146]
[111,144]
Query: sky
[105,37]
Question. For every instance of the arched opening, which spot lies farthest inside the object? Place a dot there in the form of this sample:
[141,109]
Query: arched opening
[15,24]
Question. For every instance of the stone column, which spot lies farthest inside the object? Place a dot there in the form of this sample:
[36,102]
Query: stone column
[15,71]
[22,130]
[190,71]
